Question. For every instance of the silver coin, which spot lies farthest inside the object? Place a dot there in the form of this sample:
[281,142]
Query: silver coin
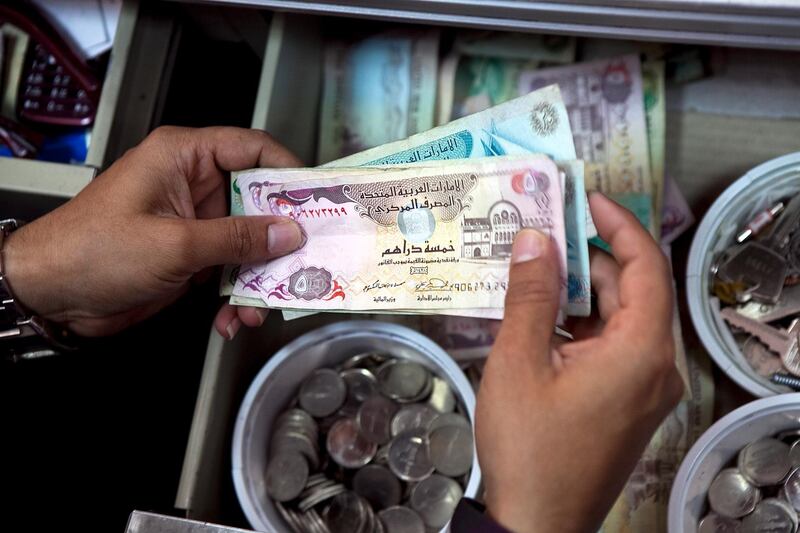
[368,360]
[765,462]
[402,380]
[731,495]
[346,513]
[347,446]
[435,499]
[794,454]
[291,518]
[714,523]
[771,515]
[361,383]
[442,398]
[319,495]
[413,416]
[296,442]
[286,476]
[375,418]
[791,489]
[409,456]
[452,450]
[450,419]
[378,486]
[401,519]
[316,522]
[322,393]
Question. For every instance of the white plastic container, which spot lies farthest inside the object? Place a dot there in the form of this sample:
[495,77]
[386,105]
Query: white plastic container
[277,383]
[761,187]
[717,447]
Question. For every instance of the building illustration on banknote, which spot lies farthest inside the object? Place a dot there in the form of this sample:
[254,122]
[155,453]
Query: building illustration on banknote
[491,237]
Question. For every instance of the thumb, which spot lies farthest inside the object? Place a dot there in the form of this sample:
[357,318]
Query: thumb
[532,299]
[240,240]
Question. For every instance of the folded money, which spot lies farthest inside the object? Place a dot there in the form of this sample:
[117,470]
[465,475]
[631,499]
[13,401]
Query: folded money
[534,123]
[417,238]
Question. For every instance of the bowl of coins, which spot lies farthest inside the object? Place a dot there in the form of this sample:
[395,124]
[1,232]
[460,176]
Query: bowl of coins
[743,473]
[356,426]
[743,278]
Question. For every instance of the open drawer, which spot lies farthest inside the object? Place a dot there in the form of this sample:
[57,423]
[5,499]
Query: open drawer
[717,128]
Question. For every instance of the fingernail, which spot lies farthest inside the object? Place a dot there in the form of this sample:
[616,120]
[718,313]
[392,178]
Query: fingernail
[529,244]
[261,314]
[284,237]
[232,328]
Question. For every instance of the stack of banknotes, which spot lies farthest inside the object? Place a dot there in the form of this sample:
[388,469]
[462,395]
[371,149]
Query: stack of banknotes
[425,225]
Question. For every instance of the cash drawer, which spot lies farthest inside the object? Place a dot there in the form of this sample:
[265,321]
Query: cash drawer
[711,140]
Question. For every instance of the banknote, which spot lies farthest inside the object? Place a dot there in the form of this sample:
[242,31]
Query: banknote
[655,114]
[417,238]
[515,127]
[605,103]
[548,49]
[469,84]
[377,90]
[676,216]
[508,129]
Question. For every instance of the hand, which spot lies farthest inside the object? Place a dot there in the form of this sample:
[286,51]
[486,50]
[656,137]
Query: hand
[131,241]
[560,425]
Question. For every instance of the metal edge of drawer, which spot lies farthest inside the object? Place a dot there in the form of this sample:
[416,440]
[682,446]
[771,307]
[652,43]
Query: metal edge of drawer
[711,27]
[42,177]
[292,73]
[138,70]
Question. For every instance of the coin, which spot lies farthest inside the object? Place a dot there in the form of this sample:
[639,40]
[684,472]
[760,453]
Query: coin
[794,453]
[731,495]
[378,486]
[714,523]
[435,499]
[442,398]
[409,456]
[322,393]
[765,462]
[316,495]
[771,515]
[346,513]
[452,450]
[375,418]
[291,518]
[296,442]
[413,416]
[361,384]
[404,381]
[368,360]
[286,477]
[347,446]
[450,419]
[760,358]
[401,519]
[791,489]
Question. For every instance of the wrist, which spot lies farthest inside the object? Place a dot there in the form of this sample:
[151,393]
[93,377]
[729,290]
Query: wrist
[26,274]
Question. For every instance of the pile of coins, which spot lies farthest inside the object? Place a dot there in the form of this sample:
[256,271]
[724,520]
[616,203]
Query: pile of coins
[758,282]
[761,493]
[379,444]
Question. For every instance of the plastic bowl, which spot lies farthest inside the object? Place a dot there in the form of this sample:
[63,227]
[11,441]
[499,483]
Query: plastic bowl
[277,383]
[715,449]
[761,187]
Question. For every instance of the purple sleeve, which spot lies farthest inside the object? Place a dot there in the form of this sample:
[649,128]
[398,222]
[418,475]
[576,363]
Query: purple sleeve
[470,518]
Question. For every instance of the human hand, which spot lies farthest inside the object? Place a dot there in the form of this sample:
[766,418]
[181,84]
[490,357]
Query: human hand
[131,241]
[560,425]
